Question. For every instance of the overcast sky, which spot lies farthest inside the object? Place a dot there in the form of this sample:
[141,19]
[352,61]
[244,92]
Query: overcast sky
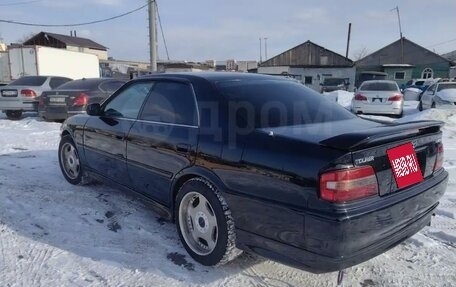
[215,29]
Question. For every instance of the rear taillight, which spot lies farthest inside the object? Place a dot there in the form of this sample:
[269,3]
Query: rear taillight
[28,93]
[439,157]
[348,184]
[395,98]
[81,100]
[360,97]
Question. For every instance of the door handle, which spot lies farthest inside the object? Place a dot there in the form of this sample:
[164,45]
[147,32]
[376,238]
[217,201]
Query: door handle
[183,148]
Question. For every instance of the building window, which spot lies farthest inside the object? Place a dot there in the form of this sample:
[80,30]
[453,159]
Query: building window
[308,80]
[427,73]
[399,75]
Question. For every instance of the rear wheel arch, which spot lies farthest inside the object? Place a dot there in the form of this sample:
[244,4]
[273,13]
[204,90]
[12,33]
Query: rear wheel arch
[190,173]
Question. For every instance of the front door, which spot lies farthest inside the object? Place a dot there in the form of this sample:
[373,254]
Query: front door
[164,139]
[105,135]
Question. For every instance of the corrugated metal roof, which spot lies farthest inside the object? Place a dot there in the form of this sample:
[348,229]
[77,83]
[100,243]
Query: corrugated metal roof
[69,41]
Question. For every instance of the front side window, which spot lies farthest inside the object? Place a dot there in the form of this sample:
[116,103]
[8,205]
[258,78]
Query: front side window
[111,86]
[171,102]
[432,89]
[128,102]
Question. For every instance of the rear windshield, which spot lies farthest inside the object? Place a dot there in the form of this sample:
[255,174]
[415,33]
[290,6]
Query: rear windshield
[379,86]
[35,81]
[333,82]
[446,86]
[80,85]
[419,83]
[273,103]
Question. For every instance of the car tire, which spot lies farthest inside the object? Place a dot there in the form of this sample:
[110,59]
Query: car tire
[205,224]
[69,161]
[13,115]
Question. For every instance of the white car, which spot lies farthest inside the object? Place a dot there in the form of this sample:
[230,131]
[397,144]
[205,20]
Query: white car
[378,97]
[439,95]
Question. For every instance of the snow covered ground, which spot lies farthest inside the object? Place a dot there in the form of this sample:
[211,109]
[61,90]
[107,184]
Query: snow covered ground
[56,234]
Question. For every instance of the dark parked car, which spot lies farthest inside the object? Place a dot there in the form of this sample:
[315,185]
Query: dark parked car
[334,84]
[259,163]
[73,97]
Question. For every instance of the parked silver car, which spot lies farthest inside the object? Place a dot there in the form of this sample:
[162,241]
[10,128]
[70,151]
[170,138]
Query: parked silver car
[378,97]
[20,95]
[439,95]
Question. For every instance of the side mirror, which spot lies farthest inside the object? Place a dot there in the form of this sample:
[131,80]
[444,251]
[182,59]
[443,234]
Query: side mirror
[94,109]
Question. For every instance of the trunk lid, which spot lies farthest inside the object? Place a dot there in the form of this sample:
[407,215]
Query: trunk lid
[369,147]
[60,97]
[378,97]
[368,141]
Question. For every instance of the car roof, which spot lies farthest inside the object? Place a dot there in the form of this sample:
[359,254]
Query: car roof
[380,81]
[214,76]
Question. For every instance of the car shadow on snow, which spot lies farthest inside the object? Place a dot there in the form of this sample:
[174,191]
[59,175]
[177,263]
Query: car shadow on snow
[95,221]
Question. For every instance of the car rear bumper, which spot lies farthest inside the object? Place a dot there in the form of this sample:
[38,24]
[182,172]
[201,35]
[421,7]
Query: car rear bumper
[394,108]
[59,113]
[18,104]
[335,242]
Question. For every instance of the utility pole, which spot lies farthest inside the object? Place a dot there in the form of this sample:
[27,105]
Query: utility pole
[265,48]
[400,33]
[153,35]
[348,39]
[261,56]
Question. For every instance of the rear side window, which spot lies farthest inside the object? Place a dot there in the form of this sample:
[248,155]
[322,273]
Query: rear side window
[56,82]
[111,86]
[29,81]
[379,86]
[128,102]
[171,102]
[83,84]
[446,86]
[272,103]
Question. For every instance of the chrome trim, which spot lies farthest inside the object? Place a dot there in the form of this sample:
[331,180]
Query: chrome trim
[168,124]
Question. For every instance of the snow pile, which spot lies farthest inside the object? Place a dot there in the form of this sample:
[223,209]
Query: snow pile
[446,116]
[56,234]
[343,98]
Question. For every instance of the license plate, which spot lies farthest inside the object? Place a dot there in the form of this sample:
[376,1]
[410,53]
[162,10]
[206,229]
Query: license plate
[57,100]
[404,164]
[9,93]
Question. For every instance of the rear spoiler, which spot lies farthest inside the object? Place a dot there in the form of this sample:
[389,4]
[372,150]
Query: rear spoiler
[382,134]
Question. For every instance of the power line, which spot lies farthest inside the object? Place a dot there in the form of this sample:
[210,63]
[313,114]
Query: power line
[162,32]
[19,3]
[74,24]
[441,43]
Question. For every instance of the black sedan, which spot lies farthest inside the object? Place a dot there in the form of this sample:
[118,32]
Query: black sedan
[257,163]
[73,97]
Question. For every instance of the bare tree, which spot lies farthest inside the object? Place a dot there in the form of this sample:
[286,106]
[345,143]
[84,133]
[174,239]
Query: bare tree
[360,53]
[25,37]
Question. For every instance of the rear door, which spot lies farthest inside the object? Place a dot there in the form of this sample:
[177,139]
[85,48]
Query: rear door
[427,97]
[164,139]
[105,136]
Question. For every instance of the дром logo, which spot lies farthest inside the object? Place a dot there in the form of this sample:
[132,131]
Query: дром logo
[405,165]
